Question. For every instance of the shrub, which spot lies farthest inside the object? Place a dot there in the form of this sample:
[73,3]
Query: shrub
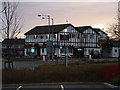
[116,81]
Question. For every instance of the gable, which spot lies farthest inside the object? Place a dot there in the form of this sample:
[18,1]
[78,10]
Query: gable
[90,31]
[69,29]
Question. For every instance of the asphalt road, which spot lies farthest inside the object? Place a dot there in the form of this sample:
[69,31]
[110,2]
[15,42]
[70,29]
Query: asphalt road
[60,87]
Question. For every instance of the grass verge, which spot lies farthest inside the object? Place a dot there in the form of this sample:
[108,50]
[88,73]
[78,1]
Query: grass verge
[56,73]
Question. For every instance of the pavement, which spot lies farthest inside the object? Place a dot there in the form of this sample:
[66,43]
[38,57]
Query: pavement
[31,64]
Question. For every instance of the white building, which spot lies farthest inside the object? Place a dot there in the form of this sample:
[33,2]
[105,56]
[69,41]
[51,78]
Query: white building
[89,40]
[84,39]
[0,50]
[111,49]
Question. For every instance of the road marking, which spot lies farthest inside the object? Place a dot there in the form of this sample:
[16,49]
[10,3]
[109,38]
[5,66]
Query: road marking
[110,85]
[62,88]
[19,87]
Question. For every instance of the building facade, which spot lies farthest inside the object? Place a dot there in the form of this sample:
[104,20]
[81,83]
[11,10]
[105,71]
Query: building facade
[16,47]
[111,49]
[63,39]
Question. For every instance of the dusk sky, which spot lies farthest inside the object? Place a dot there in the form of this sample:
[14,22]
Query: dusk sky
[90,12]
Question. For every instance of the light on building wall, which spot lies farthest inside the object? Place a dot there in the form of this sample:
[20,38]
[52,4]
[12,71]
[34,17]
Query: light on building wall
[79,49]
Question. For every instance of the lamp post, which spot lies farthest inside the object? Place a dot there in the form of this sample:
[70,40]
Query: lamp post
[48,22]
[50,36]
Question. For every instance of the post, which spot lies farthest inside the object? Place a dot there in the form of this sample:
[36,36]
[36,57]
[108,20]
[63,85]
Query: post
[32,53]
[66,56]
[52,39]
[33,63]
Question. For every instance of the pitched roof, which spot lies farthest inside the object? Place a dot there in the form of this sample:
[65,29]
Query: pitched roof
[112,43]
[82,28]
[116,43]
[13,41]
[99,30]
[44,29]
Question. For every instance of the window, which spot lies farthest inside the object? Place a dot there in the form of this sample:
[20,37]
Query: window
[78,36]
[70,36]
[42,50]
[91,36]
[73,35]
[90,51]
[70,50]
[54,36]
[64,37]
[30,37]
[34,36]
[42,36]
[115,50]
[62,50]
[38,36]
[84,35]
[46,37]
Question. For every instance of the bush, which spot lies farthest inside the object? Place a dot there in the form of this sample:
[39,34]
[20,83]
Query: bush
[116,81]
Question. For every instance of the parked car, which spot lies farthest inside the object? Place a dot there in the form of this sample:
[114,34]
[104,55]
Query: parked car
[95,54]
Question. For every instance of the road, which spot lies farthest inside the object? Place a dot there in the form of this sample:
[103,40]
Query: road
[60,87]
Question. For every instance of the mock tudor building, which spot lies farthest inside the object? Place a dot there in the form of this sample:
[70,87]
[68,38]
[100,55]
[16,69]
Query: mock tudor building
[89,40]
[80,41]
[64,35]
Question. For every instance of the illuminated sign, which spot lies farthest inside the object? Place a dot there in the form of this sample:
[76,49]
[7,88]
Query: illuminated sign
[32,50]
[79,49]
[60,47]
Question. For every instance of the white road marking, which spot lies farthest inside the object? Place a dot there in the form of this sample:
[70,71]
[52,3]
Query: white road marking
[110,85]
[19,87]
[62,88]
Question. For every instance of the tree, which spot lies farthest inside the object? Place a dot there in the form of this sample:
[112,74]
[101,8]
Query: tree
[114,28]
[10,23]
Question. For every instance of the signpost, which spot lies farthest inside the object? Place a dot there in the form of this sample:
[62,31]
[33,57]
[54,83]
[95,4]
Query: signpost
[49,48]
[32,53]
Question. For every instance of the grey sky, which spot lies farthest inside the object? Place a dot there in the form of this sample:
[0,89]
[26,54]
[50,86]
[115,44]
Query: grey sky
[96,14]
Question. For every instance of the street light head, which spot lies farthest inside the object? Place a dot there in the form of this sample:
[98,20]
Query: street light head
[43,17]
[39,15]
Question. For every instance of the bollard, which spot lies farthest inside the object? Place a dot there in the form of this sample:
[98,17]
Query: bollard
[43,58]
[90,57]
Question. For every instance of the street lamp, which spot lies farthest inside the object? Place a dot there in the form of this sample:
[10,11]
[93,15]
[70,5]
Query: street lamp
[49,18]
[48,22]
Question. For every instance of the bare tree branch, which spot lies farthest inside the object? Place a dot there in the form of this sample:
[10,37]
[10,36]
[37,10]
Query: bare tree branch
[11,23]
